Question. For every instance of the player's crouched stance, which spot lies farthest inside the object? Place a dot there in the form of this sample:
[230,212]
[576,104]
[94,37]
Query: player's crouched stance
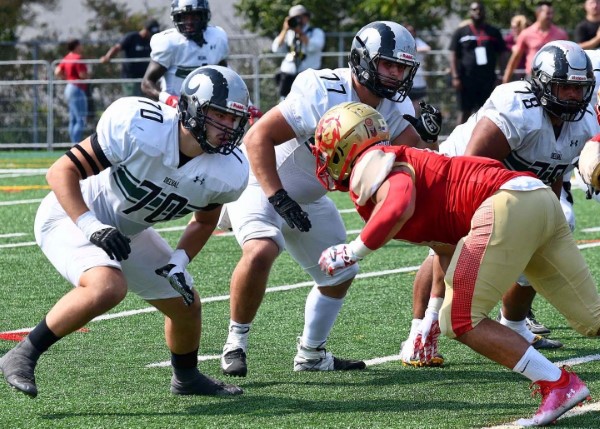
[483,245]
[144,164]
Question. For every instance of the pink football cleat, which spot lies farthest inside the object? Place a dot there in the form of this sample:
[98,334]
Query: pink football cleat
[558,397]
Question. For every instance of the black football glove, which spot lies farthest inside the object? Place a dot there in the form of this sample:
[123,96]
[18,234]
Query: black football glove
[429,124]
[590,192]
[290,211]
[115,244]
[177,278]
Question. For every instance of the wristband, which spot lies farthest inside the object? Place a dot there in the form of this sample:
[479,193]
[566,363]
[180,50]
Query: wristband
[88,223]
[180,258]
[358,248]
[163,97]
[435,303]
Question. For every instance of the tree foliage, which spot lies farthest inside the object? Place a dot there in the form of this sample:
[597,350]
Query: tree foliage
[18,13]
[265,17]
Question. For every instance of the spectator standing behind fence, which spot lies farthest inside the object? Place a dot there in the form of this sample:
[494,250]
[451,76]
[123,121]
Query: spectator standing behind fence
[518,23]
[72,69]
[531,39]
[419,88]
[587,32]
[135,44]
[476,48]
[303,44]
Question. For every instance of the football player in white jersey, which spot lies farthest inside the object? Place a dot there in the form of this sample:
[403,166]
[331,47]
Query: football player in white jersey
[144,164]
[177,51]
[284,205]
[538,125]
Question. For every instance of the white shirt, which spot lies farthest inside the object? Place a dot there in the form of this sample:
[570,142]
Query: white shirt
[312,94]
[144,185]
[180,55]
[527,128]
[311,51]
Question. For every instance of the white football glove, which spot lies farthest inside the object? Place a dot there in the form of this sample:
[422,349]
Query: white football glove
[426,342]
[337,257]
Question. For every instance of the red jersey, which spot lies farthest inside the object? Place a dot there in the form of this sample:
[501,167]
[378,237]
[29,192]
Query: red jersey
[448,191]
[72,68]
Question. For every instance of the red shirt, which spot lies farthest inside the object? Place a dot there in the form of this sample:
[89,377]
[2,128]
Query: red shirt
[448,192]
[72,69]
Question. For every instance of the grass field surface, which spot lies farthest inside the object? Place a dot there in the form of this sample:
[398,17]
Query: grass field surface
[115,373]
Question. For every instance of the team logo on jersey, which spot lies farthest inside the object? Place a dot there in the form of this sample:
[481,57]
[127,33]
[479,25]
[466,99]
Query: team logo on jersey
[171,182]
[555,155]
[574,143]
[200,180]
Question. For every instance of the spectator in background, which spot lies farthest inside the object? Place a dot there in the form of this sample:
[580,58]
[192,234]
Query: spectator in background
[72,69]
[303,44]
[419,88]
[476,48]
[586,31]
[135,44]
[533,38]
[518,23]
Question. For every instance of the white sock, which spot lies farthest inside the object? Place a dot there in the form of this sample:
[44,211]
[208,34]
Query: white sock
[320,313]
[520,327]
[535,367]
[238,336]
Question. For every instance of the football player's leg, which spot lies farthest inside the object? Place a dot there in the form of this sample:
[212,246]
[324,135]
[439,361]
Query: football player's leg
[182,322]
[325,300]
[500,243]
[560,274]
[101,286]
[257,228]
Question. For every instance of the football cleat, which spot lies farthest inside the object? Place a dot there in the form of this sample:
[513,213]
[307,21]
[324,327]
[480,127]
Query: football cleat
[203,385]
[558,397]
[436,361]
[541,343]
[319,359]
[18,366]
[233,363]
[534,326]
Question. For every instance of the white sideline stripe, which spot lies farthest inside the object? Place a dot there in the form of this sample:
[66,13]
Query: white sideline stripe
[594,229]
[24,244]
[14,234]
[226,297]
[585,408]
[23,170]
[11,203]
[201,358]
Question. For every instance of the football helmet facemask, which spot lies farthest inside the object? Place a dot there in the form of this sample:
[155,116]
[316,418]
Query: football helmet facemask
[384,40]
[218,88]
[191,18]
[558,64]
[342,135]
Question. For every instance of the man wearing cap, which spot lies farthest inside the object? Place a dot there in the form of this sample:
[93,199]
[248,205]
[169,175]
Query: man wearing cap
[303,45]
[135,44]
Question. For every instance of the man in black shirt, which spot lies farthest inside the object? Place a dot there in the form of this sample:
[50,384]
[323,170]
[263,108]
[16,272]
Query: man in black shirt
[476,49]
[586,32]
[135,44]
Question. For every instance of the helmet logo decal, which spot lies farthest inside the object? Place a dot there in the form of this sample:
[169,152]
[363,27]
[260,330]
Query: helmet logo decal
[329,132]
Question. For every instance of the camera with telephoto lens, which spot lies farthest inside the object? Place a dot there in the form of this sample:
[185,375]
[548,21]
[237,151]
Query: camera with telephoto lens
[293,22]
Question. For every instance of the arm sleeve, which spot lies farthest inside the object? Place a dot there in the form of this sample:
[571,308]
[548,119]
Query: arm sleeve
[376,231]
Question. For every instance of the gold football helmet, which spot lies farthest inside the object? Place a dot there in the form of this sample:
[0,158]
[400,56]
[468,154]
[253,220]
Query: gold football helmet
[343,133]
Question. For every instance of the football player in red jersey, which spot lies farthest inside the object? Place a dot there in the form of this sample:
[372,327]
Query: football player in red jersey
[484,236]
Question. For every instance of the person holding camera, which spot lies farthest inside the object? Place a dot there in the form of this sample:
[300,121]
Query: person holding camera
[303,44]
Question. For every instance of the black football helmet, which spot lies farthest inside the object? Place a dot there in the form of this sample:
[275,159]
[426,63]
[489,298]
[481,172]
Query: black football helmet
[218,88]
[193,28]
[392,42]
[562,63]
